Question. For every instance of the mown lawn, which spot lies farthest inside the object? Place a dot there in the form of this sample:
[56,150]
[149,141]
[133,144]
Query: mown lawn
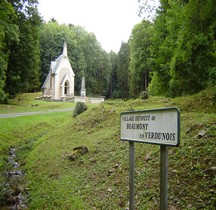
[27,103]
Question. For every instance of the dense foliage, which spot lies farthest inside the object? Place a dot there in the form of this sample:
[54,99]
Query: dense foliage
[174,54]
[140,51]
[122,88]
[184,50]
[19,47]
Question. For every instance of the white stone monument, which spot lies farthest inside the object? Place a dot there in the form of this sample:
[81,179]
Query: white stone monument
[83,89]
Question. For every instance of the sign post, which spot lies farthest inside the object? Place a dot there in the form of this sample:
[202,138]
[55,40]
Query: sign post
[163,177]
[131,175]
[157,126]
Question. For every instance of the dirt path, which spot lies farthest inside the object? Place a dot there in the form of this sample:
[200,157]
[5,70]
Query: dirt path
[33,113]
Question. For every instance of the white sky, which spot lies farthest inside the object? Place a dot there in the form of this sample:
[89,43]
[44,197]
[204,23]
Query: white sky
[110,20]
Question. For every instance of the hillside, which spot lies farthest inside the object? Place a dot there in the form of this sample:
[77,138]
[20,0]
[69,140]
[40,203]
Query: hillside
[99,178]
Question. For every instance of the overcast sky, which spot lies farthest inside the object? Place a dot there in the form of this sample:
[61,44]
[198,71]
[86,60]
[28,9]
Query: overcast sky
[110,20]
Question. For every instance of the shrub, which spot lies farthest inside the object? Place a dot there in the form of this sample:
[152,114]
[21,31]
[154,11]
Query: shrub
[144,95]
[79,108]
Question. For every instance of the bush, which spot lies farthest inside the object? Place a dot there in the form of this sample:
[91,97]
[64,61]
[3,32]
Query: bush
[212,76]
[79,108]
[144,95]
[3,98]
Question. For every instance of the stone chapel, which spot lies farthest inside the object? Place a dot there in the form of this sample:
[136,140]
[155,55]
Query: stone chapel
[59,83]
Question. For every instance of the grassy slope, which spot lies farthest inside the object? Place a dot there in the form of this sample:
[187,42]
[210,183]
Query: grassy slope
[25,130]
[23,133]
[99,179]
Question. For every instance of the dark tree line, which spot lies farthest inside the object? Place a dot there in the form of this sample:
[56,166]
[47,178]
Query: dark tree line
[19,47]
[182,52]
[173,55]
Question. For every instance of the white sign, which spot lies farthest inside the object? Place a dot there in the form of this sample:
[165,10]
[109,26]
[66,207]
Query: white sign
[157,126]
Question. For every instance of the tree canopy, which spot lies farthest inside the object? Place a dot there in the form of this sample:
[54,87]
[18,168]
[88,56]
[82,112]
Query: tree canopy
[140,57]
[19,47]
[183,47]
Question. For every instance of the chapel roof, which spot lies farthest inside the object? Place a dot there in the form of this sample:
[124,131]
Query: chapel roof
[55,64]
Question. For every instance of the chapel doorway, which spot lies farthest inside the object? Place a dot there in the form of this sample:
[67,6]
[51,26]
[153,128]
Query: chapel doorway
[66,88]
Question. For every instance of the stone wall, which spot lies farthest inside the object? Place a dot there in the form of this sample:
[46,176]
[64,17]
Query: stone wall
[92,100]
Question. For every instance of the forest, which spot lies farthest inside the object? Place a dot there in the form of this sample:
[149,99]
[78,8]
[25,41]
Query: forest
[172,55]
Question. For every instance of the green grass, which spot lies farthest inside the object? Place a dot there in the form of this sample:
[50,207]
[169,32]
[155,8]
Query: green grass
[99,179]
[27,103]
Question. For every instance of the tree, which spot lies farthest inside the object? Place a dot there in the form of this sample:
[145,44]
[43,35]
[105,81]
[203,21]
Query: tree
[9,35]
[194,55]
[24,59]
[113,74]
[184,50]
[140,57]
[96,63]
[19,49]
[147,9]
[122,90]
[161,51]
